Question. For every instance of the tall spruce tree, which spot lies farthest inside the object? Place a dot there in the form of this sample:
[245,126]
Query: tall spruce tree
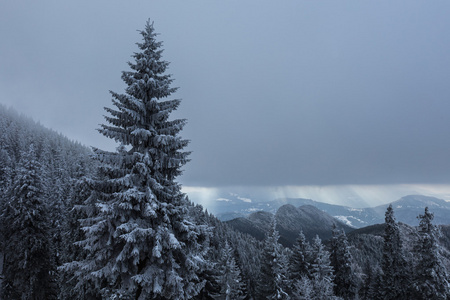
[395,281]
[141,243]
[431,279]
[29,269]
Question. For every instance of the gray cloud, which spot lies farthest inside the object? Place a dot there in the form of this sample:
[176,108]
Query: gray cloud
[291,93]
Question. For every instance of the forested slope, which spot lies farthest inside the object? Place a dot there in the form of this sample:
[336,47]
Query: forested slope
[38,168]
[45,177]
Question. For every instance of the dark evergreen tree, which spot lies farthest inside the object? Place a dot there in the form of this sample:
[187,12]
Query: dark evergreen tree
[345,282]
[141,242]
[72,232]
[272,281]
[210,273]
[5,171]
[320,266]
[300,259]
[229,279]
[395,282]
[5,181]
[303,289]
[321,271]
[372,289]
[248,253]
[29,269]
[431,278]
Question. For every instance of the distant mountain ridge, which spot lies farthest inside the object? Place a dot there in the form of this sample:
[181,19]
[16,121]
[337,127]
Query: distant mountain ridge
[406,210]
[290,221]
[234,207]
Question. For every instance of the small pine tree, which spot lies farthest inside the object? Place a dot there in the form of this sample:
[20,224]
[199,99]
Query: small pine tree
[303,289]
[230,279]
[431,278]
[301,258]
[273,280]
[372,289]
[5,180]
[5,172]
[313,273]
[72,233]
[321,271]
[29,268]
[395,279]
[313,289]
[345,283]
[140,240]
[321,265]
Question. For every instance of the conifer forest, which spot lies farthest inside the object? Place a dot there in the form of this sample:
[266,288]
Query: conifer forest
[86,223]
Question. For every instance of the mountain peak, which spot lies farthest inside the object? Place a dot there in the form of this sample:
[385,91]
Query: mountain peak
[420,201]
[290,221]
[406,210]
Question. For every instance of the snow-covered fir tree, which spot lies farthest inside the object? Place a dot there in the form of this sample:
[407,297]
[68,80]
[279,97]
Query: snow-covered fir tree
[395,283]
[321,271]
[345,282]
[273,275]
[71,251]
[29,268]
[371,289]
[303,289]
[5,171]
[300,259]
[141,242]
[431,278]
[229,279]
[5,181]
[320,266]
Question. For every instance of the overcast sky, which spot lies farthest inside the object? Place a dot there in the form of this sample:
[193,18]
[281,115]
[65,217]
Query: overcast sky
[276,93]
